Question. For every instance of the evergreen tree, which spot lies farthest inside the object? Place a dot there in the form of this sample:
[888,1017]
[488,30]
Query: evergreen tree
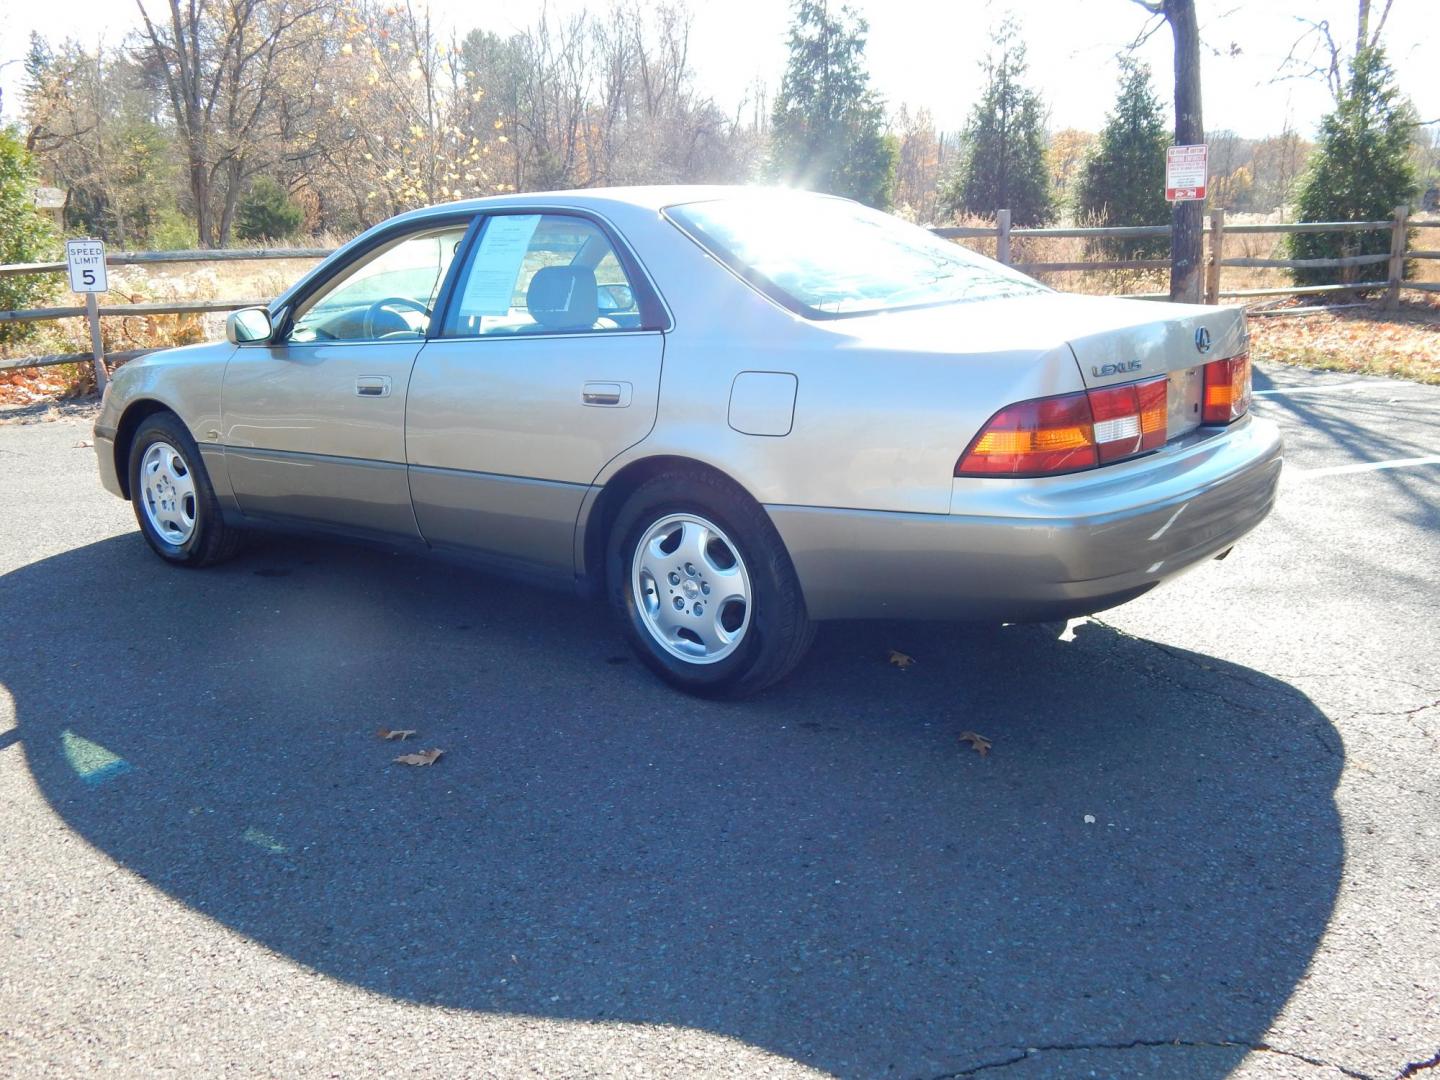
[25,235]
[1123,179]
[1361,169]
[267,212]
[827,131]
[1004,145]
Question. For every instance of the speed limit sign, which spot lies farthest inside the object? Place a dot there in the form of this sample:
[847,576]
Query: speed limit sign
[86,259]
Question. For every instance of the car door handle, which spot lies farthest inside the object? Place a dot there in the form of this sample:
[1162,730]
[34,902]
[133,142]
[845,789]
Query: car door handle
[614,394]
[373,386]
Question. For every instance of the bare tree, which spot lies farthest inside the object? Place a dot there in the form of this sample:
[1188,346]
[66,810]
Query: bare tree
[218,60]
[1316,54]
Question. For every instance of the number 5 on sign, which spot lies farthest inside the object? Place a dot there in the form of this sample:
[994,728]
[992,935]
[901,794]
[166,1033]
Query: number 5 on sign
[86,260]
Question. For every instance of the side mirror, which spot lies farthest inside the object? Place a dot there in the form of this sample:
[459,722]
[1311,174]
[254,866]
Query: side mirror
[248,326]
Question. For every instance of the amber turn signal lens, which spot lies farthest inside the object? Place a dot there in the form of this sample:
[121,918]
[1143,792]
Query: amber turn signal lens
[1034,438]
[1227,390]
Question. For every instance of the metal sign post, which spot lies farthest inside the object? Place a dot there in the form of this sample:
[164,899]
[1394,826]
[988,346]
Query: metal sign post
[85,260]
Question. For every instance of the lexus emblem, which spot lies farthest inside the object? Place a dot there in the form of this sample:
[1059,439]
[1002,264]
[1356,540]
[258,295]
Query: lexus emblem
[1202,340]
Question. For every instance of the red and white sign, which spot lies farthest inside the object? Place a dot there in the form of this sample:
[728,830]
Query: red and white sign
[1186,171]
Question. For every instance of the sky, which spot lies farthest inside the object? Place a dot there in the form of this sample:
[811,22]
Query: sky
[927,52]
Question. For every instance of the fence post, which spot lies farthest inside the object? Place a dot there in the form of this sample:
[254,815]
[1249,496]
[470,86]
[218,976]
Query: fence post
[1397,258]
[97,349]
[1002,236]
[1217,252]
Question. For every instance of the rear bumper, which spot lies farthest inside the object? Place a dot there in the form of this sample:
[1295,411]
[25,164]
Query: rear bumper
[1025,550]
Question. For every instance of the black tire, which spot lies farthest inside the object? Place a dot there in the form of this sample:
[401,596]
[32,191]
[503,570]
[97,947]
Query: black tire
[778,630]
[211,540]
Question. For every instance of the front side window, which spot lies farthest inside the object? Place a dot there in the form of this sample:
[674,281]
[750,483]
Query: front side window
[542,273]
[388,294]
[824,257]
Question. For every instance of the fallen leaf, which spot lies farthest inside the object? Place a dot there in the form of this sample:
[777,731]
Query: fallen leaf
[386,733]
[980,744]
[900,660]
[424,757]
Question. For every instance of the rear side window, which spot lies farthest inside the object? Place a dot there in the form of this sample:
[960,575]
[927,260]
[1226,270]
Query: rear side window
[532,274]
[826,258]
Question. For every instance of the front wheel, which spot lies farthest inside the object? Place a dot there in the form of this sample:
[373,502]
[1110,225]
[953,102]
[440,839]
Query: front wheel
[704,588]
[174,501]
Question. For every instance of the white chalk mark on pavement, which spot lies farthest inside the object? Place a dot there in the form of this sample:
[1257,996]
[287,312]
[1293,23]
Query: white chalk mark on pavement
[1322,389]
[1366,466]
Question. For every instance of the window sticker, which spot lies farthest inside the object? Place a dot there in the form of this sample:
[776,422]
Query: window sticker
[496,267]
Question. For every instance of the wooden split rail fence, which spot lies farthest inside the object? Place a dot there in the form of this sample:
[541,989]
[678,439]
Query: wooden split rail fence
[1001,232]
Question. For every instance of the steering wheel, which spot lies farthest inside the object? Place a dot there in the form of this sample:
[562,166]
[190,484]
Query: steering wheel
[388,304]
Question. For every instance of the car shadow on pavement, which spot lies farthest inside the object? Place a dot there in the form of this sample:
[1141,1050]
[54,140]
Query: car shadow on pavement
[1150,851]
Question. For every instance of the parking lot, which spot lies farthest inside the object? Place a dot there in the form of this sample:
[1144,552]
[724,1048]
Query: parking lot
[1206,841]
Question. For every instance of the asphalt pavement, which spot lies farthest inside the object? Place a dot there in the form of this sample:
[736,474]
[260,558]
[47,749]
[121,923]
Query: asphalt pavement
[1205,843]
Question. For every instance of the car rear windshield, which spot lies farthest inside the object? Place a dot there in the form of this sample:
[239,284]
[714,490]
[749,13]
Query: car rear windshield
[824,257]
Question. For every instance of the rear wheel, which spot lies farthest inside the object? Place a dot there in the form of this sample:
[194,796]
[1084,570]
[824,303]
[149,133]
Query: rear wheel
[704,588]
[174,501]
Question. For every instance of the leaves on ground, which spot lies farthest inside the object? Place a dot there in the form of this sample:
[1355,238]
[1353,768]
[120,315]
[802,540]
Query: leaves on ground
[386,733]
[900,659]
[979,743]
[424,757]
[1367,340]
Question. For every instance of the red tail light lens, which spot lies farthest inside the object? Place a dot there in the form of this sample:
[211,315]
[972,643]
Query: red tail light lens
[1034,438]
[1130,418]
[1047,436]
[1227,390]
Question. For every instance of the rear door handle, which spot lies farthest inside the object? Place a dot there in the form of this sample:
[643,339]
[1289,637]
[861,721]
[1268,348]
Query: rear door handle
[613,394]
[372,385]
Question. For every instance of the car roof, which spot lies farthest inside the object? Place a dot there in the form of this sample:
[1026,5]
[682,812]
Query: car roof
[648,197]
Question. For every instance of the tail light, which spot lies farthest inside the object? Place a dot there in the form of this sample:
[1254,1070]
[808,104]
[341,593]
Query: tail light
[1131,418]
[1227,390]
[1034,438]
[1048,436]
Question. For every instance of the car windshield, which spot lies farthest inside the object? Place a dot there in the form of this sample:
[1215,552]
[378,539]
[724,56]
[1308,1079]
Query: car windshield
[825,257]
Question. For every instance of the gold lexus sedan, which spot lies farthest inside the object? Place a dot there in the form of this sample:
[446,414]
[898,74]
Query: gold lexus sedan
[731,412]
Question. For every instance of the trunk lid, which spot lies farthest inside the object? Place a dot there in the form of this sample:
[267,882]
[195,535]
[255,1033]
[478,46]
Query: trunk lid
[1146,339]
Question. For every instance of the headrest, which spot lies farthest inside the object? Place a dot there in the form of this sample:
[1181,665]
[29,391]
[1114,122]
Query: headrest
[563,298]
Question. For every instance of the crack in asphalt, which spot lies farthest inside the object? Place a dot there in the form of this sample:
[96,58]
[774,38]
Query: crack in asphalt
[1395,712]
[1181,1044]
[1419,1066]
[1351,675]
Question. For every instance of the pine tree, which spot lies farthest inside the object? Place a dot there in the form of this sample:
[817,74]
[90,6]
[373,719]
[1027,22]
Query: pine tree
[267,213]
[827,131]
[1361,169]
[1004,144]
[1123,179]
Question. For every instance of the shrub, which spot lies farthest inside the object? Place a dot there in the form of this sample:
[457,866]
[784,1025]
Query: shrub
[25,236]
[267,213]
